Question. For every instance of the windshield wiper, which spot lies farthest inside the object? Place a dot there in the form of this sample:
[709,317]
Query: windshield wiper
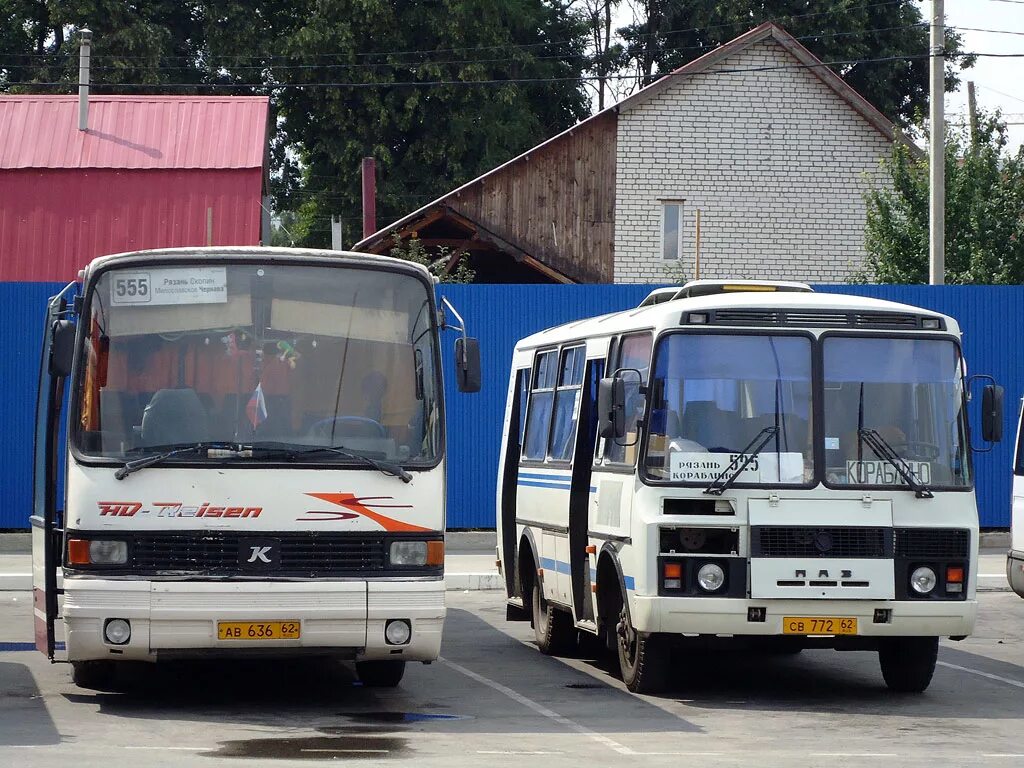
[290,453]
[217,450]
[884,450]
[728,476]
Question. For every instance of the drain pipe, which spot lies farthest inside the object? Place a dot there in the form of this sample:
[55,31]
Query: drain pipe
[83,79]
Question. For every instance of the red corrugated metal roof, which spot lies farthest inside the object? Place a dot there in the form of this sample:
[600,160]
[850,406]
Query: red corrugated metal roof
[136,132]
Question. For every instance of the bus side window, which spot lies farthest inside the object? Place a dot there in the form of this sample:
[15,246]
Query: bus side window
[633,352]
[523,392]
[538,417]
[570,380]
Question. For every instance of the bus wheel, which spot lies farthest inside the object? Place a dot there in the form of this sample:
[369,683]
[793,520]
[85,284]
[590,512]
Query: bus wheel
[552,627]
[94,675]
[380,674]
[643,657]
[908,663]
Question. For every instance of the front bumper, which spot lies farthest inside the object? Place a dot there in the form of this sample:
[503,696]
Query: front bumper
[179,618]
[728,616]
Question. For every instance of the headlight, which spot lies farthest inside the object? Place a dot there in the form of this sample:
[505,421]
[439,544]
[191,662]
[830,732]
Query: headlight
[408,553]
[711,577]
[923,580]
[397,632]
[97,552]
[117,631]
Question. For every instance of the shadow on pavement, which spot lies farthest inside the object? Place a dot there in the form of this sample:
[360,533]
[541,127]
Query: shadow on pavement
[24,719]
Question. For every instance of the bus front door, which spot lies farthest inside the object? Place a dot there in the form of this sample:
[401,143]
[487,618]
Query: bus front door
[47,533]
[579,494]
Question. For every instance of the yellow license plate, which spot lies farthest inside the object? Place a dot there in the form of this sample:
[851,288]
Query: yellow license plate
[819,625]
[258,630]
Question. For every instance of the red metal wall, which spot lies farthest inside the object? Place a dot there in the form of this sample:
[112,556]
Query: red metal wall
[53,222]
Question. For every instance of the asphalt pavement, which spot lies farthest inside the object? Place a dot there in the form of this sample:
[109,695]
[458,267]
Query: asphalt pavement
[494,699]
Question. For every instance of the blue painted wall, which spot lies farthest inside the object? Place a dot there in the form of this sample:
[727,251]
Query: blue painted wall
[500,315]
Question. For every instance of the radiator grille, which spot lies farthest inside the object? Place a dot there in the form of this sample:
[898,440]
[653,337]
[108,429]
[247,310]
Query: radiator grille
[806,541]
[300,554]
[932,543]
[817,318]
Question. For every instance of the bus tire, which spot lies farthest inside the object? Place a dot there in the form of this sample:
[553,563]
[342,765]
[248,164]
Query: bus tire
[380,674]
[908,663]
[552,626]
[94,675]
[643,657]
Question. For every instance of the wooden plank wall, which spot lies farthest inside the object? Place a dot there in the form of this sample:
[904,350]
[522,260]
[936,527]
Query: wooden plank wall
[557,203]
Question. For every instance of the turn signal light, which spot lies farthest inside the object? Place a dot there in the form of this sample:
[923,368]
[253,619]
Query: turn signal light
[954,574]
[435,553]
[673,573]
[78,552]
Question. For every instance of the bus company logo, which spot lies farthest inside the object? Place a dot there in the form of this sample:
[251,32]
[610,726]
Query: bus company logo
[173,509]
[354,507]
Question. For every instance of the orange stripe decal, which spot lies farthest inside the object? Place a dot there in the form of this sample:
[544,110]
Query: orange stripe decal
[361,505]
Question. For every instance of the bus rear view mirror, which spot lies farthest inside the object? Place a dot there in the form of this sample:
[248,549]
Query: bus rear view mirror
[611,408]
[62,348]
[992,413]
[467,364]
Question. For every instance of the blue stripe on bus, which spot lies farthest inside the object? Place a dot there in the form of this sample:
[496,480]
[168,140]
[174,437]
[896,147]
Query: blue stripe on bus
[533,484]
[593,489]
[538,476]
[628,581]
[554,565]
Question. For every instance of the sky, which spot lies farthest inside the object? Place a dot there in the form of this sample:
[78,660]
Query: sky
[999,83]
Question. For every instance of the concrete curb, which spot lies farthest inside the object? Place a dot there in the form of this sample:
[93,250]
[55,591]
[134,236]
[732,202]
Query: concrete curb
[15,582]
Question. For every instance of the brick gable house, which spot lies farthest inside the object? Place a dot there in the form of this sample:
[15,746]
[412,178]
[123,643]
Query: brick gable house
[774,149]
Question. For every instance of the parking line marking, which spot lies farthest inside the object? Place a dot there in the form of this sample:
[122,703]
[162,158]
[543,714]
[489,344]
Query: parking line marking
[979,673]
[1002,754]
[514,752]
[853,754]
[351,751]
[178,749]
[540,709]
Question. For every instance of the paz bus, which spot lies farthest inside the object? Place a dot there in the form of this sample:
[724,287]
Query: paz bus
[253,464]
[742,460]
[1015,557]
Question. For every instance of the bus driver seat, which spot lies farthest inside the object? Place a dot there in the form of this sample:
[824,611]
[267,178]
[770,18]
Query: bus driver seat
[174,417]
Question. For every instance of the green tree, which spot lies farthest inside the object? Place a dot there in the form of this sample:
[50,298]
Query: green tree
[675,32]
[426,138]
[436,261]
[984,213]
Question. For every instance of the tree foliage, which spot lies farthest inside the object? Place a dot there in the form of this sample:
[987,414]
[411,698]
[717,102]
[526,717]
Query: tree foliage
[426,138]
[674,32]
[436,261]
[984,213]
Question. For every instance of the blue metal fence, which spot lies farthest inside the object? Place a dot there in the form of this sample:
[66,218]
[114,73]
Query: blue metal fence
[500,315]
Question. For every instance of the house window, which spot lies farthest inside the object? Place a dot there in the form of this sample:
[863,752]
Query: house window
[672,229]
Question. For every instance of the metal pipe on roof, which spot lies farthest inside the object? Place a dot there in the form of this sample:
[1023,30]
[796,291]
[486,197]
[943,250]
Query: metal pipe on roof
[83,79]
[369,196]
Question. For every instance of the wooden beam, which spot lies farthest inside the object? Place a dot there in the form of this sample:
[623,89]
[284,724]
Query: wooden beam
[544,269]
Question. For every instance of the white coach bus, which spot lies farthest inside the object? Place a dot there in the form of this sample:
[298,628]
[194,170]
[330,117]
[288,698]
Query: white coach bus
[1015,558]
[743,459]
[254,460]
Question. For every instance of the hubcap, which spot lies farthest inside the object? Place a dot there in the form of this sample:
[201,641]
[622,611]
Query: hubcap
[627,637]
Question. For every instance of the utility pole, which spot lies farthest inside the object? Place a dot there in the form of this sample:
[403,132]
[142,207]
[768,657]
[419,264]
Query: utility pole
[336,233]
[369,196]
[972,112]
[937,164]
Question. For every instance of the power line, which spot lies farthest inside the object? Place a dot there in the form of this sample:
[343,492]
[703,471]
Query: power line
[409,65]
[839,8]
[500,81]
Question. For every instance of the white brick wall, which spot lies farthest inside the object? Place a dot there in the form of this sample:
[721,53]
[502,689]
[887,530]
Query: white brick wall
[776,161]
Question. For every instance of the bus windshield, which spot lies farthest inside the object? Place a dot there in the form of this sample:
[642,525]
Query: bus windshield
[715,396]
[908,392]
[293,355]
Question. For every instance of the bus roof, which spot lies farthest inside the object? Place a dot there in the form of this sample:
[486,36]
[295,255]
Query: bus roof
[784,309]
[257,253]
